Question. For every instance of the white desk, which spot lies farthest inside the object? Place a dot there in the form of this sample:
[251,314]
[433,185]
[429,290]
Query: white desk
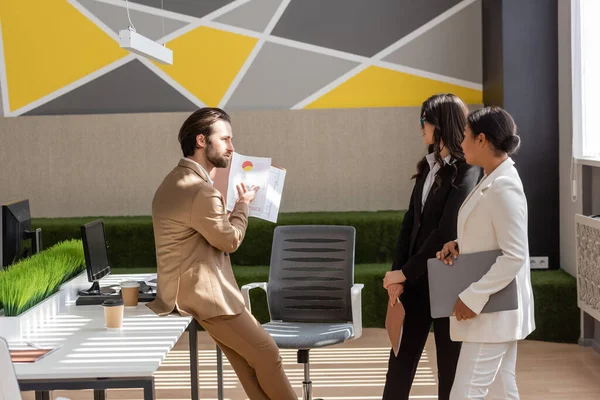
[93,357]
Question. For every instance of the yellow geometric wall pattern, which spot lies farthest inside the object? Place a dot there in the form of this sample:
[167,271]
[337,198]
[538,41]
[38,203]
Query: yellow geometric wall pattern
[63,56]
[41,52]
[208,52]
[381,87]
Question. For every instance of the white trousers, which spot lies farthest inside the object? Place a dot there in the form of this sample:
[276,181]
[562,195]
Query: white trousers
[486,369]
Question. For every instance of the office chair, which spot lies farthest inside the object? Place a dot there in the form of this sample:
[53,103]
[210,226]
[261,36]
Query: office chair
[9,386]
[312,298]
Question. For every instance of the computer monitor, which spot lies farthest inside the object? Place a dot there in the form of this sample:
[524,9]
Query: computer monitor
[96,257]
[18,240]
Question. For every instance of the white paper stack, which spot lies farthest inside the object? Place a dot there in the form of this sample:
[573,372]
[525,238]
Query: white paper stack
[257,171]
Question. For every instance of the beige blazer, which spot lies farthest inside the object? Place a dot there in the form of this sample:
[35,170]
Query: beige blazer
[494,217]
[193,235]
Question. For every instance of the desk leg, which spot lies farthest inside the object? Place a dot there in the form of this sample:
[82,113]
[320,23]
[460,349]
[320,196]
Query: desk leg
[194,358]
[42,395]
[99,394]
[149,390]
[219,373]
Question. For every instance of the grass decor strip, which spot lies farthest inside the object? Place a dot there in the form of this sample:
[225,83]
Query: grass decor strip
[34,279]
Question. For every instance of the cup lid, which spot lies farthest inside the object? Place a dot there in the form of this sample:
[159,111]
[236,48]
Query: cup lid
[130,284]
[113,302]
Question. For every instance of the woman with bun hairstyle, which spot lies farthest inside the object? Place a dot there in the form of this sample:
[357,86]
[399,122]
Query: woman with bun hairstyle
[493,217]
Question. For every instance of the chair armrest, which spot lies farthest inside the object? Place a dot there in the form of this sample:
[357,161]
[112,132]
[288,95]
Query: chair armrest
[356,298]
[246,292]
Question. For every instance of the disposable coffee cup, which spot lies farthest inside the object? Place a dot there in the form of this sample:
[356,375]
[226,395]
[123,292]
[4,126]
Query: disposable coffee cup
[129,292]
[113,313]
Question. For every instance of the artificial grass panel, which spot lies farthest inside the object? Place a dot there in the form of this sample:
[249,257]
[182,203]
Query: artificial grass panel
[34,279]
[131,239]
[556,310]
[555,297]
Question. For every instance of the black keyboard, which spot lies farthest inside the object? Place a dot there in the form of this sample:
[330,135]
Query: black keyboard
[99,299]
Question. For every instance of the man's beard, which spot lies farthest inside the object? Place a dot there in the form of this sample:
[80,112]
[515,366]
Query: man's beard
[216,159]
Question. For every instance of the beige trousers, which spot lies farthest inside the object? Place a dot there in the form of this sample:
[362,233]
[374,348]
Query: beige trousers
[253,354]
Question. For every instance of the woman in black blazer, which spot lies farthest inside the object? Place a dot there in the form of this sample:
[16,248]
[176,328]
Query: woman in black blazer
[442,182]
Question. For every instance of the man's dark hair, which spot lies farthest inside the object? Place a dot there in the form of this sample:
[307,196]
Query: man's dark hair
[199,123]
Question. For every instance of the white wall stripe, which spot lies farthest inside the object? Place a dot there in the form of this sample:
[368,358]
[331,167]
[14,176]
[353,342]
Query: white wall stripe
[330,86]
[80,82]
[193,21]
[99,23]
[263,37]
[150,10]
[179,32]
[387,51]
[176,85]
[3,81]
[233,29]
[266,33]
[197,22]
[429,75]
[88,78]
[85,79]
[318,49]
[423,28]
[173,15]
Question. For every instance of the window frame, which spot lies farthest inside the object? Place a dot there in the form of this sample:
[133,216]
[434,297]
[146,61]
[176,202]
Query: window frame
[577,88]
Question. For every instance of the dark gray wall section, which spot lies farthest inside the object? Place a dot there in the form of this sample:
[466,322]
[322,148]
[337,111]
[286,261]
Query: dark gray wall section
[597,335]
[523,39]
[595,190]
[453,47]
[356,26]
[194,8]
[115,17]
[591,190]
[267,82]
[491,23]
[254,15]
[131,87]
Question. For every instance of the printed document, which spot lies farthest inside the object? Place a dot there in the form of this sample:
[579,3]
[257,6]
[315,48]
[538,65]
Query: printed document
[257,171]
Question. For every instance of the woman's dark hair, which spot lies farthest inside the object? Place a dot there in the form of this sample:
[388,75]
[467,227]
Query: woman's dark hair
[498,127]
[448,114]
[199,123]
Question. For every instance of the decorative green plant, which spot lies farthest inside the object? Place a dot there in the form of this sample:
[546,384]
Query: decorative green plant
[30,281]
[131,239]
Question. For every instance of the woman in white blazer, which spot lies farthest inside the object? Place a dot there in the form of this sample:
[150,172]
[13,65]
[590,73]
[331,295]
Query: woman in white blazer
[493,217]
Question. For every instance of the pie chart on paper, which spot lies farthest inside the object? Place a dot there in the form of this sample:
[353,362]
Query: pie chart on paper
[247,166]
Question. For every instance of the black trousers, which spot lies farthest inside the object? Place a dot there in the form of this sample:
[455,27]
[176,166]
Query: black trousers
[402,369]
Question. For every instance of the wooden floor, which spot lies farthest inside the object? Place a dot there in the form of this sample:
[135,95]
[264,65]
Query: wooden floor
[545,371]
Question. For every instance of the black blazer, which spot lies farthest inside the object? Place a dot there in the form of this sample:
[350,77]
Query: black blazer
[425,231]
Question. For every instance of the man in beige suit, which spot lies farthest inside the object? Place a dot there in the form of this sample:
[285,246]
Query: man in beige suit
[193,235]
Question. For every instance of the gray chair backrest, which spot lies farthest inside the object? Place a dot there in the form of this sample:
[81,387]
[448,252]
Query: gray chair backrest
[311,273]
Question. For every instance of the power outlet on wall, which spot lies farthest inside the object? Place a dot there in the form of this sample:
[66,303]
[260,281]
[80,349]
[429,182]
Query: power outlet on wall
[538,262]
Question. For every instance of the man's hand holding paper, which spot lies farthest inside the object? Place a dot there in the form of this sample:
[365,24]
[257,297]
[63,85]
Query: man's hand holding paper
[245,194]
[253,173]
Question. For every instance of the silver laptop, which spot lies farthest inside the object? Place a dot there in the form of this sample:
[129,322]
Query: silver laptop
[446,282]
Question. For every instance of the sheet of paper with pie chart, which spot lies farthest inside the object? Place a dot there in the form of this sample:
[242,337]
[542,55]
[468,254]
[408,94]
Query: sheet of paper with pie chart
[257,171]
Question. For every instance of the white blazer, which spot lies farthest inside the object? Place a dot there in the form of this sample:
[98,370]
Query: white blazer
[494,217]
